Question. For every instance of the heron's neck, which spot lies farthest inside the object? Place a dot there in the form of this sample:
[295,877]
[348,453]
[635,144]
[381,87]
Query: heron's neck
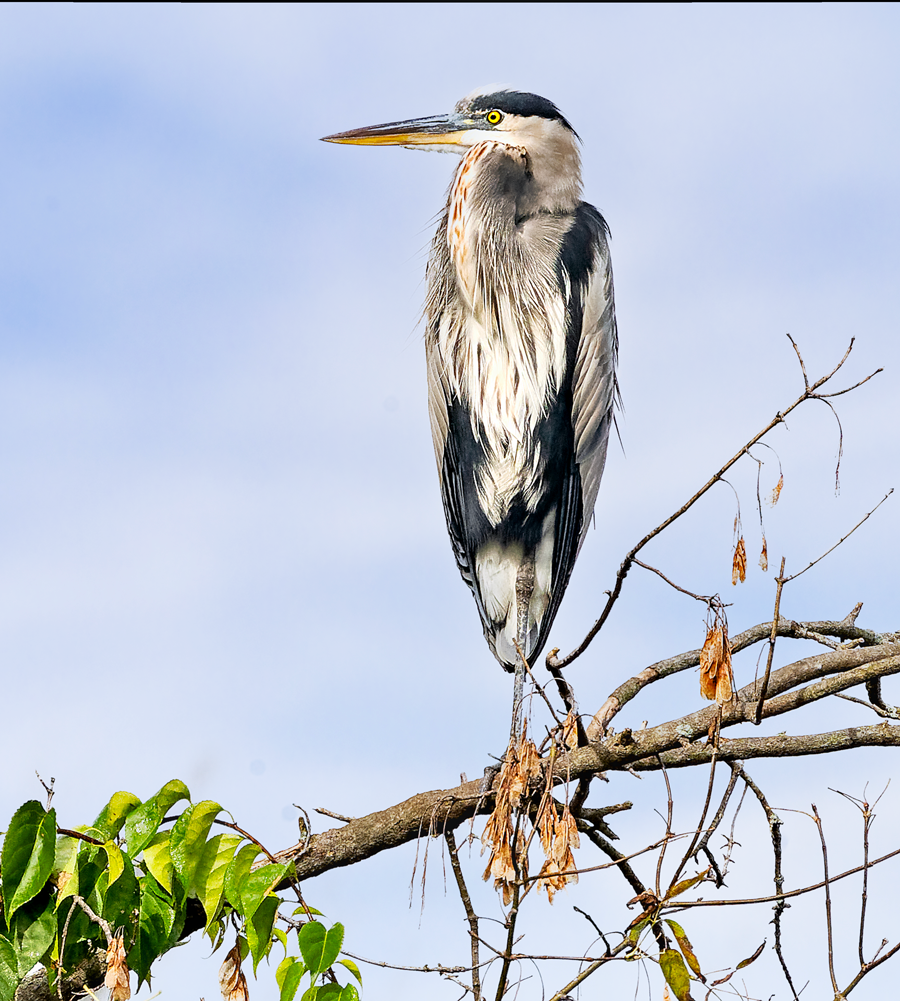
[505,221]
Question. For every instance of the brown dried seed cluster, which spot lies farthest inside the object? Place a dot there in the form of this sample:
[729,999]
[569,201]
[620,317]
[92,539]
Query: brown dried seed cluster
[570,730]
[521,764]
[117,973]
[558,834]
[232,982]
[716,677]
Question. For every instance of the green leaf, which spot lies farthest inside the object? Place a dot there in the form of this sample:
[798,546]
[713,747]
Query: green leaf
[9,973]
[236,873]
[116,865]
[634,933]
[676,974]
[333,991]
[311,938]
[65,867]
[142,823]
[259,929]
[158,860]
[121,898]
[155,923]
[290,983]
[684,943]
[189,838]
[209,878]
[306,909]
[281,936]
[257,884]
[349,993]
[353,968]
[34,940]
[686,884]
[334,939]
[753,958]
[112,816]
[310,994]
[27,857]
[284,968]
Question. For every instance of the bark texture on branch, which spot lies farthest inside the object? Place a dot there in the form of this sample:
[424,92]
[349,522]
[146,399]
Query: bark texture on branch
[433,812]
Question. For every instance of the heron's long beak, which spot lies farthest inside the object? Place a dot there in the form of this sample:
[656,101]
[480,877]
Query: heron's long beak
[438,130]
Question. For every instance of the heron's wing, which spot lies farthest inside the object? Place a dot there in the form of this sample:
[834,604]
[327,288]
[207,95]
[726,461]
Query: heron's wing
[586,279]
[457,454]
[585,257]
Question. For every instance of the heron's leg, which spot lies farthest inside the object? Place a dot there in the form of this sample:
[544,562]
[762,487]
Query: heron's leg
[524,590]
[515,729]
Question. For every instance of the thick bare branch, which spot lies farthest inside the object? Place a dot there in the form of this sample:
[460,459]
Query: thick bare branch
[691,658]
[444,809]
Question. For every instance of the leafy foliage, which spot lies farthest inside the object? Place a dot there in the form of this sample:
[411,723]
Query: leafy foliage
[130,881]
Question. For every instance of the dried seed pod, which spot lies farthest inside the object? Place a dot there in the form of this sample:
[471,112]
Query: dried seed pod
[776,493]
[739,562]
[232,982]
[715,660]
[117,973]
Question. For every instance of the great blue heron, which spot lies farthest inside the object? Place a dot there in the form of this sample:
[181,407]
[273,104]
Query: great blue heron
[521,351]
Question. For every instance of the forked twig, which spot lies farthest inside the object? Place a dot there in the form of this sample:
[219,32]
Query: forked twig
[810,391]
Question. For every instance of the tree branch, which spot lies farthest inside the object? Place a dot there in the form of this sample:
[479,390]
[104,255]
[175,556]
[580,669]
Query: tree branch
[444,809]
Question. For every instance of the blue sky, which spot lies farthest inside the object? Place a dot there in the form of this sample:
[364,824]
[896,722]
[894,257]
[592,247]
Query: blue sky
[223,548]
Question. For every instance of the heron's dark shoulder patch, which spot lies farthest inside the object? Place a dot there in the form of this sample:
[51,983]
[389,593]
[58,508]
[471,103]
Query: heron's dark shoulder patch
[580,246]
[517,102]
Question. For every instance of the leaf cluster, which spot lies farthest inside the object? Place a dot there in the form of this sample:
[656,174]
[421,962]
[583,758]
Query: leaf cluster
[134,877]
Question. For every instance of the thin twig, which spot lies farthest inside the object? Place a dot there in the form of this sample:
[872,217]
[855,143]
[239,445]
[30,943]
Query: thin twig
[774,822]
[104,925]
[787,894]
[81,837]
[333,815]
[692,847]
[471,916]
[884,713]
[596,927]
[780,582]
[818,821]
[662,851]
[409,969]
[809,392]
[847,536]
[699,597]
[48,789]
[564,992]
[717,819]
[510,917]
[868,969]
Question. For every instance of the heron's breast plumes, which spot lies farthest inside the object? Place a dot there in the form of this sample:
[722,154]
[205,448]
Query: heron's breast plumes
[503,348]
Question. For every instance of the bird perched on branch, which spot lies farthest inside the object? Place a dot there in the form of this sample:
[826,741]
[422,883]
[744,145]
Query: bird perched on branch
[521,352]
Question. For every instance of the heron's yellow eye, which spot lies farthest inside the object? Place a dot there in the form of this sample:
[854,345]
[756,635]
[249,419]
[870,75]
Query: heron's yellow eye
[494,117]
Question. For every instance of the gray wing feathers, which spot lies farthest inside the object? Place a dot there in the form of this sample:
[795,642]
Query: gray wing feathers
[594,381]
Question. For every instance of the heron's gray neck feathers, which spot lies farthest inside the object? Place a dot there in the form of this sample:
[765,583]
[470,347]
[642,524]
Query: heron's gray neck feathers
[504,347]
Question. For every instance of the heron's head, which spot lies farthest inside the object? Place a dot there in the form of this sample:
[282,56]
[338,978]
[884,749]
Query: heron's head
[511,117]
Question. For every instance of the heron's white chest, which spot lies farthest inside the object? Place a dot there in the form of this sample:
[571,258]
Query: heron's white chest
[503,352]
